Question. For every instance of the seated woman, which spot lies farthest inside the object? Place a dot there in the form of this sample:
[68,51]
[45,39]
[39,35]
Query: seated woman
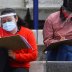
[19,60]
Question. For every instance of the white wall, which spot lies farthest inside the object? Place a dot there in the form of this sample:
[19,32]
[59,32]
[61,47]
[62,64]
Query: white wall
[39,36]
[12,3]
[45,6]
[50,3]
[45,3]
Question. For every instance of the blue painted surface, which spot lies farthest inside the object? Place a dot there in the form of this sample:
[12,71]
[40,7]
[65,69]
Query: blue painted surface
[35,16]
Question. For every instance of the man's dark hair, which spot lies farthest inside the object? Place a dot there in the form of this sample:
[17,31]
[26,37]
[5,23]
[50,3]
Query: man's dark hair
[68,5]
[63,18]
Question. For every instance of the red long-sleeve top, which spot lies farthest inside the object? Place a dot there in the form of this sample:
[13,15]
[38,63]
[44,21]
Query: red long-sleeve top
[26,55]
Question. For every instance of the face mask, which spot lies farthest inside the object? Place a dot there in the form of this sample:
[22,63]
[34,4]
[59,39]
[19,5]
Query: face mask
[9,26]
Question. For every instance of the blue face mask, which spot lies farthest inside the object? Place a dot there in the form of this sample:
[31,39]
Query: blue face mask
[9,26]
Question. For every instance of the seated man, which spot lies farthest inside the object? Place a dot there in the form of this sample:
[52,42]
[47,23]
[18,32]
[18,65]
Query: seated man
[58,27]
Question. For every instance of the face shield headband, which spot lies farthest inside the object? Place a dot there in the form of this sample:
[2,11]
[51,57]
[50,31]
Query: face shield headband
[9,14]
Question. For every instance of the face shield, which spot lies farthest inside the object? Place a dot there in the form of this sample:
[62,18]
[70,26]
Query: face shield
[6,15]
[8,22]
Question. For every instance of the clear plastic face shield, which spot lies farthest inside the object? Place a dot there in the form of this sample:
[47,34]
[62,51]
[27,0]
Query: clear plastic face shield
[8,22]
[6,15]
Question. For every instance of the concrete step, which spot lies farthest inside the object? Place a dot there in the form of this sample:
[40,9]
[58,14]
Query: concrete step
[51,66]
[38,66]
[59,66]
[41,55]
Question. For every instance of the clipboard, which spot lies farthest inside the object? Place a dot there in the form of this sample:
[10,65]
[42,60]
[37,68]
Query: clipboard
[57,44]
[16,42]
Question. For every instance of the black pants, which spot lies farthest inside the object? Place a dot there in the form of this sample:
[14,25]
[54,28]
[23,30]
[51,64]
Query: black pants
[18,70]
[4,63]
[3,60]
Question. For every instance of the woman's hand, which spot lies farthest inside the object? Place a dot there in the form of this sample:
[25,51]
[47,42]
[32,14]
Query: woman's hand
[11,54]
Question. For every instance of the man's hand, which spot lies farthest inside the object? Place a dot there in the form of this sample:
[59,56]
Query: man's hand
[53,41]
[61,37]
[11,54]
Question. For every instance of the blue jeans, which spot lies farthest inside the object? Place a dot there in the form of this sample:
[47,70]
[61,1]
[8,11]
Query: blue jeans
[63,53]
[51,55]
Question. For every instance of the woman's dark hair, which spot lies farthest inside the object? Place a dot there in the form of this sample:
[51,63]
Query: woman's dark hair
[7,10]
[20,22]
[63,18]
[10,10]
